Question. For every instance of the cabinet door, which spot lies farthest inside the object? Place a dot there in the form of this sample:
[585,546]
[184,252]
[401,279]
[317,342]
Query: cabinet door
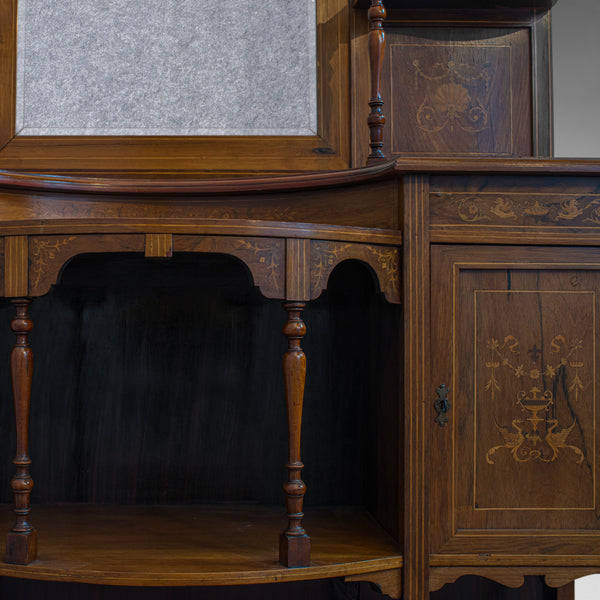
[514,338]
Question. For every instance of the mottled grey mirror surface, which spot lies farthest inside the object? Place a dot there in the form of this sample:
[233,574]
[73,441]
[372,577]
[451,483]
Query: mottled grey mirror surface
[166,67]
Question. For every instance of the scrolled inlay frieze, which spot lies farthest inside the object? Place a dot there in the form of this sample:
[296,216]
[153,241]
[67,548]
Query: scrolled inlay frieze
[516,209]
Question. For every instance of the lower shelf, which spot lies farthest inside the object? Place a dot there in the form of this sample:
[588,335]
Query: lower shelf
[183,545]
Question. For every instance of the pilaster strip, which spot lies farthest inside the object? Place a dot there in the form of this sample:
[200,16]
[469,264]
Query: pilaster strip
[297,270]
[16,266]
[159,245]
[416,343]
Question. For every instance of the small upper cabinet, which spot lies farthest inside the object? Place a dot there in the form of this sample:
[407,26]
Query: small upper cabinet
[463,78]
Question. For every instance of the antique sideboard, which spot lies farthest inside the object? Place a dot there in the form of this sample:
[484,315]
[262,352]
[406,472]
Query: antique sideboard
[487,451]
[438,393]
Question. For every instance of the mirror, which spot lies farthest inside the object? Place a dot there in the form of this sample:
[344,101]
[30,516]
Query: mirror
[166,68]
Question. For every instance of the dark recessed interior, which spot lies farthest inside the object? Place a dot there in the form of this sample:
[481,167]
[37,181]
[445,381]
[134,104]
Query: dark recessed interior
[159,382]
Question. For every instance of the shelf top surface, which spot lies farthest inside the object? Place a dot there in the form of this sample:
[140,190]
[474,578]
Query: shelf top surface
[500,5]
[172,187]
[182,545]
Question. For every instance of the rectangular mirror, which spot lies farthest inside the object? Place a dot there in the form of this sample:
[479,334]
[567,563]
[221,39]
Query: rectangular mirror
[100,67]
[194,88]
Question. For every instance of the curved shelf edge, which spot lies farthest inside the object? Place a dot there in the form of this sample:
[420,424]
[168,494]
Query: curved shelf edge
[359,571]
[197,545]
[243,185]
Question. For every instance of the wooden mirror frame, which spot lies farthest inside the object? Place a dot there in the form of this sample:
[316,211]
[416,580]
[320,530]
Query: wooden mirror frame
[192,155]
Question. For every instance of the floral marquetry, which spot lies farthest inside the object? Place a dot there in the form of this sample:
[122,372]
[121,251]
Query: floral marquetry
[490,208]
[534,435]
[520,343]
[383,260]
[263,257]
[533,392]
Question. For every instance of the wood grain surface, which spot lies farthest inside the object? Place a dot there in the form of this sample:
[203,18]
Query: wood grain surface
[197,545]
[456,91]
[327,149]
[502,494]
[8,70]
[417,386]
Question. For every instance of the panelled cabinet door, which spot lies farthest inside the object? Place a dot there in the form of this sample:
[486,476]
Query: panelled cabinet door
[514,470]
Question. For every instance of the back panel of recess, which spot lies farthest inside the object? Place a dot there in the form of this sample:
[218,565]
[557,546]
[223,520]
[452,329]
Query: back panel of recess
[515,338]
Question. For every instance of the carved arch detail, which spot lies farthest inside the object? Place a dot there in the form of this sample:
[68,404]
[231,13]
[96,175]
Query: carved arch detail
[513,577]
[383,260]
[49,253]
[264,257]
[508,577]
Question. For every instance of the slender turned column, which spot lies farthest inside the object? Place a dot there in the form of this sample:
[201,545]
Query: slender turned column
[294,544]
[21,542]
[376,119]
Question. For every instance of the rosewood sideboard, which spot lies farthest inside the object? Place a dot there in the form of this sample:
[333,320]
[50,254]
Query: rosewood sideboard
[495,264]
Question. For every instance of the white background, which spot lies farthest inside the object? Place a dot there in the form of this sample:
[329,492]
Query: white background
[587,588]
[576,73]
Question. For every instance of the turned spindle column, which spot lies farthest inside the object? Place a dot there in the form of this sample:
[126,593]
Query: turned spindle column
[376,119]
[21,542]
[294,544]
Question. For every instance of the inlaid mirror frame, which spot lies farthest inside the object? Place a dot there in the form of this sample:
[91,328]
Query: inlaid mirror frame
[328,150]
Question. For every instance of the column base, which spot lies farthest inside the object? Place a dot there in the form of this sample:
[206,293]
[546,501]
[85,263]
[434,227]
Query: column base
[294,550]
[21,548]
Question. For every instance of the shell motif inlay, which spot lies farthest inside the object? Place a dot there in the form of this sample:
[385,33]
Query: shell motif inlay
[457,95]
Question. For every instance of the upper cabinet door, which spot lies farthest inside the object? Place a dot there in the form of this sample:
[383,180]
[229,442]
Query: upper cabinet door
[514,471]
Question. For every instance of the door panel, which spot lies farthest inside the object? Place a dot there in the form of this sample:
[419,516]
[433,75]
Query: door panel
[514,338]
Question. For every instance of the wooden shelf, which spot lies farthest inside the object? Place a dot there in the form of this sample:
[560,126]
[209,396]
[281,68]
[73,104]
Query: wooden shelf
[482,12]
[198,545]
[499,5]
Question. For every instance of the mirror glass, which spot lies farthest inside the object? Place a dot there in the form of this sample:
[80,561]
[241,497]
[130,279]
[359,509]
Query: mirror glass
[166,67]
